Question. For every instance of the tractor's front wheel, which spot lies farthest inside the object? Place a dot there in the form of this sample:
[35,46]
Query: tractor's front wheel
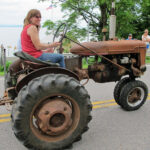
[118,88]
[133,95]
[51,112]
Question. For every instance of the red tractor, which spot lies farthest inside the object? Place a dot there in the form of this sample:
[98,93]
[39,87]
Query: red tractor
[50,107]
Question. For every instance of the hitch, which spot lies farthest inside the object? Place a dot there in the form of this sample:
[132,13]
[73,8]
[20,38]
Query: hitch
[5,100]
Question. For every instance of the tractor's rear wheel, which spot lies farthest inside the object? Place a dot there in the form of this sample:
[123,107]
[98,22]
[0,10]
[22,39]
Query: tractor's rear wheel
[10,87]
[51,112]
[8,80]
[133,95]
[118,88]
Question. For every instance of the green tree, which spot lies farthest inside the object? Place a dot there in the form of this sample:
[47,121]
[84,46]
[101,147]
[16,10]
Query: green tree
[126,13]
[143,21]
[95,14]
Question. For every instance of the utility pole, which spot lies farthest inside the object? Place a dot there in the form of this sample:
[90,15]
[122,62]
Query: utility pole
[112,23]
[104,31]
[88,37]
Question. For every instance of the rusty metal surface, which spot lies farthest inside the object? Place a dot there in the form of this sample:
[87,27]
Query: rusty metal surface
[105,72]
[5,99]
[101,73]
[34,65]
[66,120]
[15,66]
[82,73]
[93,52]
[42,71]
[109,47]
[54,117]
[73,62]
[135,96]
[20,77]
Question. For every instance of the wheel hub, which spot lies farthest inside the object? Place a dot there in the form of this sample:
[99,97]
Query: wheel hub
[54,117]
[135,96]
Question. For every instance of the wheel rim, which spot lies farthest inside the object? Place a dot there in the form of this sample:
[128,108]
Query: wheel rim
[135,97]
[55,118]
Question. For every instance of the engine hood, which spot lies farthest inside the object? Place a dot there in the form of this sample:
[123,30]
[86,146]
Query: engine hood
[109,47]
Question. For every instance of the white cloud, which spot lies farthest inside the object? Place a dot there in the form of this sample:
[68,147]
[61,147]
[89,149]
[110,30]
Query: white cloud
[14,11]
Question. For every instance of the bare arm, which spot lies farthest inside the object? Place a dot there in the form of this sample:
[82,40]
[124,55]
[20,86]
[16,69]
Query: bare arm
[145,39]
[49,50]
[34,34]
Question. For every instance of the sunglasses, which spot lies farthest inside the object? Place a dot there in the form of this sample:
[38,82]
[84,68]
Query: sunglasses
[38,17]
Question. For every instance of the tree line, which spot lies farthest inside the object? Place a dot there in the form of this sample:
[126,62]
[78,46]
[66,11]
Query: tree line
[86,17]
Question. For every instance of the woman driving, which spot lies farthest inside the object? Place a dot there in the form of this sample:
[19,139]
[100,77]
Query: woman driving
[31,44]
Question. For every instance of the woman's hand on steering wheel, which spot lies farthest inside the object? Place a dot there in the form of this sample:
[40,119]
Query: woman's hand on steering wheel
[56,44]
[63,26]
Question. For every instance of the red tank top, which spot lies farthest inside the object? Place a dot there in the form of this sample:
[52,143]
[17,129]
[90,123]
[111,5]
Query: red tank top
[27,45]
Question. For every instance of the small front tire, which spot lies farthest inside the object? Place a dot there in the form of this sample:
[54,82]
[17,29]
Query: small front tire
[133,95]
[119,87]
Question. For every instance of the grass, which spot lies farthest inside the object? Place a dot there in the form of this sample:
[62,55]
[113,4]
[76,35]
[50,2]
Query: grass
[88,61]
[147,59]
[1,73]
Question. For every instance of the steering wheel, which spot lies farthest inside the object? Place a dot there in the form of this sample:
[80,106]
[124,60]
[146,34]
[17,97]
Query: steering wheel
[63,27]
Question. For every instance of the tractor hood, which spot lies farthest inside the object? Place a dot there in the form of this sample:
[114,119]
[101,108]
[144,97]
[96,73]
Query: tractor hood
[109,47]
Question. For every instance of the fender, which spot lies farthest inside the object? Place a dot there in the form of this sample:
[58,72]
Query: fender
[43,71]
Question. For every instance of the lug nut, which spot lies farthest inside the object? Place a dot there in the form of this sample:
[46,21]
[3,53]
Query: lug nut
[46,112]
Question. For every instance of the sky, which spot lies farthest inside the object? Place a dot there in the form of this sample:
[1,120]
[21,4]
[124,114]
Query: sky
[13,12]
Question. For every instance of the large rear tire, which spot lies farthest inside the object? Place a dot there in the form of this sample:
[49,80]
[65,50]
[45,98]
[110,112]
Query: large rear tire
[9,83]
[51,112]
[133,95]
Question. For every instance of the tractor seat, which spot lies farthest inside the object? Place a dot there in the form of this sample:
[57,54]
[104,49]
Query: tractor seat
[28,57]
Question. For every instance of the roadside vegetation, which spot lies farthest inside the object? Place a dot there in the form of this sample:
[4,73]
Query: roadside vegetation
[2,67]
[148,59]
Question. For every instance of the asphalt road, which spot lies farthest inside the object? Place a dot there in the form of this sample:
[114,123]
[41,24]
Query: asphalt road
[110,129]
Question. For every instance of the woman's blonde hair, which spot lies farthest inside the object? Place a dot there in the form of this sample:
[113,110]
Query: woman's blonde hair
[146,30]
[31,13]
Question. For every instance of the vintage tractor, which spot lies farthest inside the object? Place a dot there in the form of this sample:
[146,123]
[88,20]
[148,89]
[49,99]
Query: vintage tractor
[51,108]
